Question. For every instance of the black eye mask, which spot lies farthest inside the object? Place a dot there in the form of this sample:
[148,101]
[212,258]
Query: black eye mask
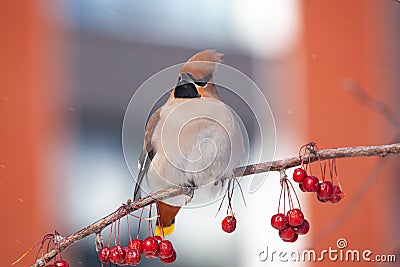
[202,82]
[186,86]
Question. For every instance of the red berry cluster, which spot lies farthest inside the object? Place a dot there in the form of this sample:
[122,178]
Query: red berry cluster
[292,224]
[326,190]
[151,247]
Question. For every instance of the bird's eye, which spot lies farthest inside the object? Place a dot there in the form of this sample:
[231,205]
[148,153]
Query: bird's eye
[190,79]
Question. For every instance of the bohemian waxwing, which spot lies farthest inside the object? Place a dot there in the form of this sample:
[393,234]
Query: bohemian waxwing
[192,140]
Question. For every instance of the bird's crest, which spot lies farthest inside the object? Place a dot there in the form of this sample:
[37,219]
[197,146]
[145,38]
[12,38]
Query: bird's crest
[202,64]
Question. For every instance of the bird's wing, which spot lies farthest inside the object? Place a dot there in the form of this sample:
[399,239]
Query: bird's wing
[148,152]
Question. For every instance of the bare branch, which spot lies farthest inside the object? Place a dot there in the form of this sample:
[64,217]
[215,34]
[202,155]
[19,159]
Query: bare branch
[277,165]
[344,152]
[109,219]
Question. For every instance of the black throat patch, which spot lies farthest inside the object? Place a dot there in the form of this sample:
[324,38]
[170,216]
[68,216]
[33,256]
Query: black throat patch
[186,90]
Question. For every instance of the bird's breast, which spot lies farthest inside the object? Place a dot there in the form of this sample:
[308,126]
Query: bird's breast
[197,141]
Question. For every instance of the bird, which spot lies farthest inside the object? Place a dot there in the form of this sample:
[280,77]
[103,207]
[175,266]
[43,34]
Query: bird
[193,140]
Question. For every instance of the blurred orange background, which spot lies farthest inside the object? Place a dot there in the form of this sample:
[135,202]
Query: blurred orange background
[50,116]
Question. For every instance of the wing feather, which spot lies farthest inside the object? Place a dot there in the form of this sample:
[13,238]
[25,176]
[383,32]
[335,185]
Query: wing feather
[148,152]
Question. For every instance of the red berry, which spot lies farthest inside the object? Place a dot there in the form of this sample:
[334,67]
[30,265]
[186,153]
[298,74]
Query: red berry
[136,244]
[132,257]
[321,199]
[310,184]
[61,263]
[295,217]
[299,174]
[303,228]
[287,234]
[158,238]
[104,255]
[301,187]
[293,239]
[123,262]
[229,224]
[150,247]
[325,190]
[117,254]
[170,259]
[337,194]
[279,221]
[165,249]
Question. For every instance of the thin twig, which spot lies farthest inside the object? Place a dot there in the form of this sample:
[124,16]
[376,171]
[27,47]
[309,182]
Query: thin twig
[375,104]
[277,165]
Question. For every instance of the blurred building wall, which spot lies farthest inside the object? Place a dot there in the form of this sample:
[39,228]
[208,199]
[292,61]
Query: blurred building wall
[26,128]
[352,40]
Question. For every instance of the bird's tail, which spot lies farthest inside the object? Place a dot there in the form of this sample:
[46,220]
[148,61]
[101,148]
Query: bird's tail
[166,223]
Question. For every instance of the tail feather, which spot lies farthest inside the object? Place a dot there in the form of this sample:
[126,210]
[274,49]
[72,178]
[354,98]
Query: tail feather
[165,230]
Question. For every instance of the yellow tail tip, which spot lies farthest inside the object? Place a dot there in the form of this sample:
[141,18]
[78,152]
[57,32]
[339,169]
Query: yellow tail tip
[166,230]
